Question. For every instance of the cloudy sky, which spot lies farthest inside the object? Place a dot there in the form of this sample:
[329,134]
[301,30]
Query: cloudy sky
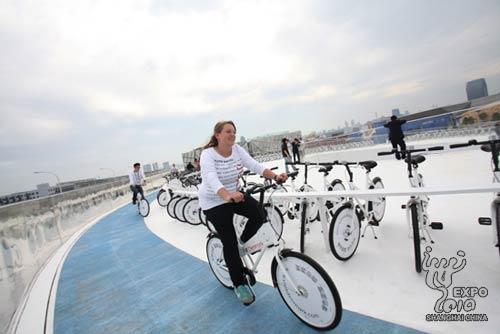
[101,84]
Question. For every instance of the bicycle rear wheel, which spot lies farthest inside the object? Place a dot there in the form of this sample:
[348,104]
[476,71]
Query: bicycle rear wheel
[377,207]
[414,210]
[215,256]
[335,185]
[317,302]
[275,218]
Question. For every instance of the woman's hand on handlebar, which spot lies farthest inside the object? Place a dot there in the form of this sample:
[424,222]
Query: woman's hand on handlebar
[236,197]
[281,178]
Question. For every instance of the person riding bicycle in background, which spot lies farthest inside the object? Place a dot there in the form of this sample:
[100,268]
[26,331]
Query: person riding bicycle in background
[396,135]
[137,180]
[174,171]
[222,162]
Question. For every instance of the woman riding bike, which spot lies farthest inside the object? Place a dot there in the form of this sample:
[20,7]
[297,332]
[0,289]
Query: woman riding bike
[222,162]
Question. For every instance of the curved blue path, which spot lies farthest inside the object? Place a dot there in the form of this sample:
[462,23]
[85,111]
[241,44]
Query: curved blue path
[120,278]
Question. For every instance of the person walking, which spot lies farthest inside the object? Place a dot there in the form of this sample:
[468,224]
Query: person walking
[396,136]
[222,162]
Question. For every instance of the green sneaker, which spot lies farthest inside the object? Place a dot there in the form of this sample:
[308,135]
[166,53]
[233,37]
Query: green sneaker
[244,294]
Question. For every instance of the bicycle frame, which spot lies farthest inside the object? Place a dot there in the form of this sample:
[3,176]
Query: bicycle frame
[277,244]
[416,180]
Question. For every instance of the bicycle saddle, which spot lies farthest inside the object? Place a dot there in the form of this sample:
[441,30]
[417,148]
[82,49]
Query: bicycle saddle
[416,159]
[368,164]
[325,169]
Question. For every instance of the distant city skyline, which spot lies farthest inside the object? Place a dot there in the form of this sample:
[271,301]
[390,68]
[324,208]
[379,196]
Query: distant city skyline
[88,85]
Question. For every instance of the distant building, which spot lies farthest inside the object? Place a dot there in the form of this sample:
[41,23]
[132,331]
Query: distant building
[44,189]
[476,89]
[147,168]
[155,166]
[166,165]
[395,112]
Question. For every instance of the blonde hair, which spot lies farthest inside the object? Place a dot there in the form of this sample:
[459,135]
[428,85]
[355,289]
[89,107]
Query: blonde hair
[218,129]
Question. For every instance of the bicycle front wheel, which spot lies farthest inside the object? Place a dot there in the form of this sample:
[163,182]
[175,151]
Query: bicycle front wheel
[171,205]
[143,206]
[316,302]
[191,212]
[163,197]
[414,210]
[344,233]
[179,208]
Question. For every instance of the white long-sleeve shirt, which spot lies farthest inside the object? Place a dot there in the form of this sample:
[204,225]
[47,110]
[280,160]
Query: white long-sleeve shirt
[136,178]
[218,171]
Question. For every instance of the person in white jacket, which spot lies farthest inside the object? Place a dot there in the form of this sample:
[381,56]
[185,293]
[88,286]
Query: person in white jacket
[222,162]
[137,180]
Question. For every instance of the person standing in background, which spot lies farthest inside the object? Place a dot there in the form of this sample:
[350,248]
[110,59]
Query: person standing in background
[396,136]
[295,150]
[286,154]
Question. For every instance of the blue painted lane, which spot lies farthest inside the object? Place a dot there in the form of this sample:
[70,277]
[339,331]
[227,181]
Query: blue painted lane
[120,278]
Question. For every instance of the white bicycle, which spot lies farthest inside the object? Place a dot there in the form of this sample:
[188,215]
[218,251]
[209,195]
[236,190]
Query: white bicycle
[345,227]
[416,208]
[490,146]
[305,287]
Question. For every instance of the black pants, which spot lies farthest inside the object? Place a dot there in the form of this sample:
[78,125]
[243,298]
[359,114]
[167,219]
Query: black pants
[402,145]
[135,190]
[221,217]
[296,156]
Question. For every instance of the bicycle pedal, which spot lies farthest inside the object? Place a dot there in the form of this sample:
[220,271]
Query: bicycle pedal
[484,221]
[372,223]
[436,225]
[403,206]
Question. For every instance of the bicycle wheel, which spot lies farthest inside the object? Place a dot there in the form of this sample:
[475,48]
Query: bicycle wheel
[344,233]
[275,218]
[414,210]
[378,207]
[171,205]
[215,256]
[282,204]
[179,206]
[143,206]
[163,197]
[191,212]
[317,302]
[335,185]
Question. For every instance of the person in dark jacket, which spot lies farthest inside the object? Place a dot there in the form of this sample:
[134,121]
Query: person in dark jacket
[396,135]
[295,150]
